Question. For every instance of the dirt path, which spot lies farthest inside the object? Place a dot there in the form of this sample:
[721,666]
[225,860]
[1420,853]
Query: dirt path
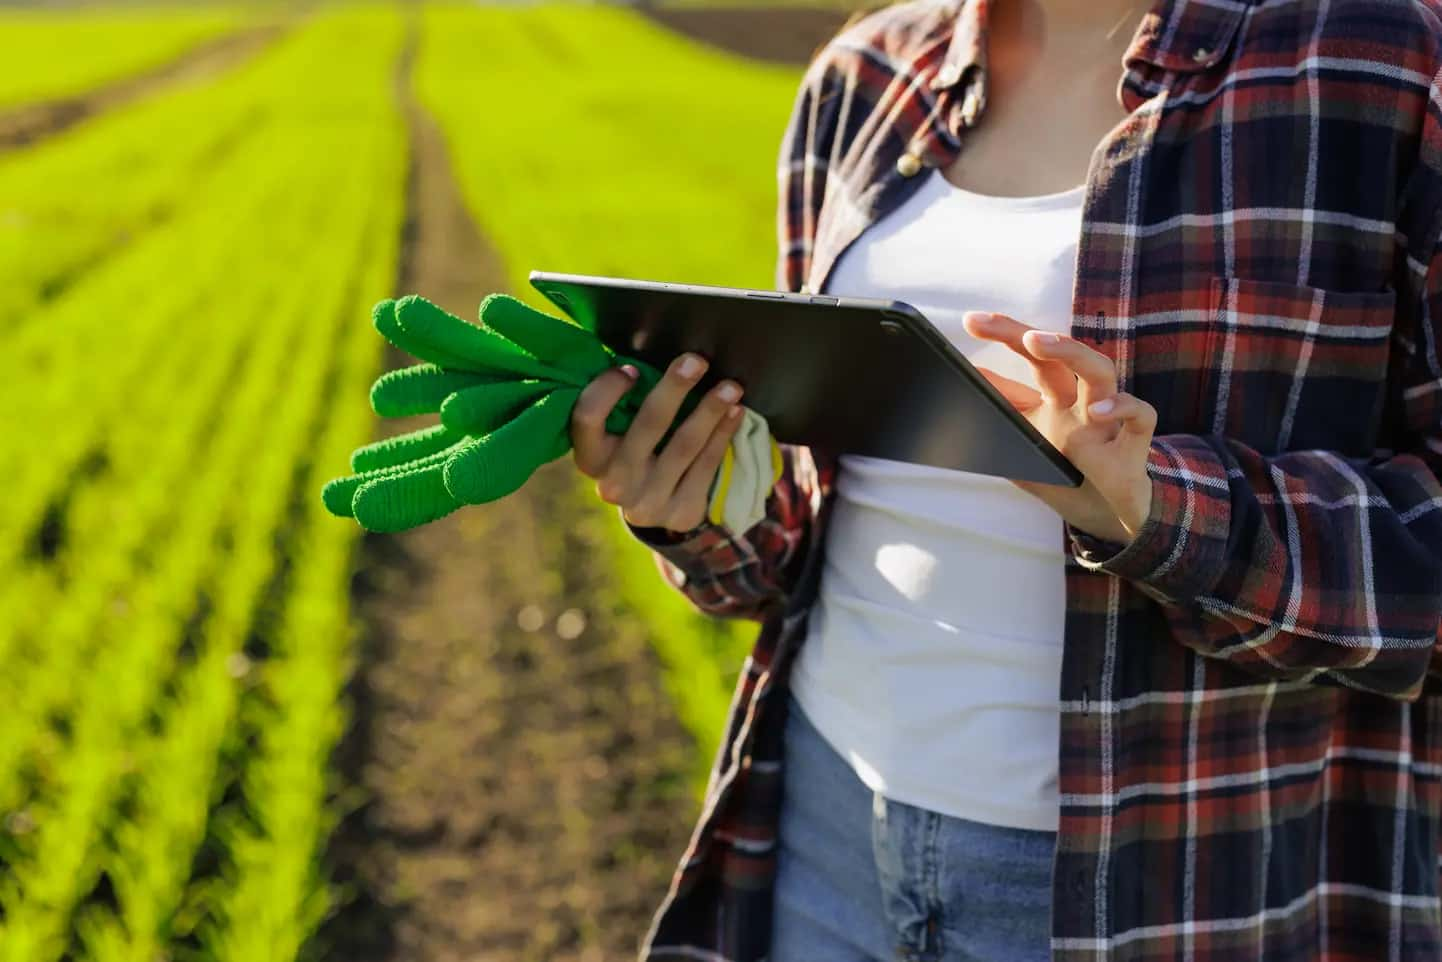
[522,771]
[783,34]
[35,122]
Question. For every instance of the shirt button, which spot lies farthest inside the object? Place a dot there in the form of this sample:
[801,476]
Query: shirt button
[1200,54]
[908,165]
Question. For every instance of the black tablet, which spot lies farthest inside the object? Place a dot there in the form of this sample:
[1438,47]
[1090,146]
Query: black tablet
[849,375]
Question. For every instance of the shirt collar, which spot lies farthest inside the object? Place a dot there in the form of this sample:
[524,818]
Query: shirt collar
[1184,36]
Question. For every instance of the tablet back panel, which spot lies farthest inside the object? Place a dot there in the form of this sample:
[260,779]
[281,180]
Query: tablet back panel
[848,375]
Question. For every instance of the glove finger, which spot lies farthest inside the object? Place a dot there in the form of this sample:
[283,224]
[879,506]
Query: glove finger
[619,420]
[403,500]
[494,465]
[419,389]
[740,495]
[383,317]
[481,348]
[754,456]
[721,487]
[550,338]
[391,452]
[647,375]
[339,493]
[482,409]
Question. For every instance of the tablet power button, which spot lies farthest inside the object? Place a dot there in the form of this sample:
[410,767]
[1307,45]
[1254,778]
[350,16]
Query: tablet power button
[824,300]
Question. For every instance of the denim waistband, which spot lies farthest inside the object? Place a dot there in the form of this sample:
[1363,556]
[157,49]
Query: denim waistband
[863,877]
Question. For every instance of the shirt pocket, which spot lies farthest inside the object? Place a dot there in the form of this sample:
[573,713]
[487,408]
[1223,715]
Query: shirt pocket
[1289,367]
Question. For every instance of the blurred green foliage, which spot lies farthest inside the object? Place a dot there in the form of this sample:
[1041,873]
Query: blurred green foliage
[174,616]
[50,54]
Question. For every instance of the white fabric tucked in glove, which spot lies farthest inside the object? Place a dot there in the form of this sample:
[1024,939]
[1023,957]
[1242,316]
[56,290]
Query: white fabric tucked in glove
[749,469]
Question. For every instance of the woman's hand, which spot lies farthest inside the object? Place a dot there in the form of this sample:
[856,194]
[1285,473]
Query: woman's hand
[1105,433]
[668,489]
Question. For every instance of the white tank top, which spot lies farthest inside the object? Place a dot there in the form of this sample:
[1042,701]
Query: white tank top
[932,661]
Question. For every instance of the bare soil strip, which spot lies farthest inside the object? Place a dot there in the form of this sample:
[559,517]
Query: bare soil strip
[521,777]
[782,34]
[33,123]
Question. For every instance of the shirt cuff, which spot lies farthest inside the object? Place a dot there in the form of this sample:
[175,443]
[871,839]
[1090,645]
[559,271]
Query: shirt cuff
[657,537]
[1176,555]
[690,551]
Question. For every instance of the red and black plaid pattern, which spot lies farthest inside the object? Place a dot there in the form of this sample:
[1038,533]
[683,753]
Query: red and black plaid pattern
[1251,738]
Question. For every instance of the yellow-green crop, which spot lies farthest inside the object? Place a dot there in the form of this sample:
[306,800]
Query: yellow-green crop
[190,596]
[54,53]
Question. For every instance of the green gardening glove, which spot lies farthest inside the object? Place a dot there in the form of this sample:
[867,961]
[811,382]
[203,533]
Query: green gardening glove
[504,391]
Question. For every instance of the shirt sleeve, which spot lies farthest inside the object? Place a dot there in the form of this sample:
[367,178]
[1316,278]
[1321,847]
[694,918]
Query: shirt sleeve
[744,575]
[1307,564]
[1300,566]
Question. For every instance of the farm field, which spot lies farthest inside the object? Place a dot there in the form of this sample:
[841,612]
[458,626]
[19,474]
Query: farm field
[173,624]
[237,727]
[49,55]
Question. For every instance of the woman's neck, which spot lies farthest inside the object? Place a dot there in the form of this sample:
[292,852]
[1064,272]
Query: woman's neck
[1067,31]
[1053,61]
[1099,15]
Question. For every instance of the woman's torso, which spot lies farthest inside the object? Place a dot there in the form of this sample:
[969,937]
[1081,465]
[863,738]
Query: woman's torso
[934,655]
[934,648]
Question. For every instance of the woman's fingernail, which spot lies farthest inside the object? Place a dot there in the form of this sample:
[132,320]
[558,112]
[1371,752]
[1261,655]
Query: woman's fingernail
[1046,337]
[728,392]
[631,371]
[690,366]
[981,317]
[1104,406]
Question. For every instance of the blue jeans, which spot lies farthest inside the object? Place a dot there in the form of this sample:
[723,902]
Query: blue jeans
[861,878]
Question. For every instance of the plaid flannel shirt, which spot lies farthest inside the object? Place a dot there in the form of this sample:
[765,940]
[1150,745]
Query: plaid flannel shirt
[1251,746]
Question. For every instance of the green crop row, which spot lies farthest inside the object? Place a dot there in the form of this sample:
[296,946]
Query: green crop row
[164,547]
[144,165]
[653,157]
[50,54]
[277,893]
